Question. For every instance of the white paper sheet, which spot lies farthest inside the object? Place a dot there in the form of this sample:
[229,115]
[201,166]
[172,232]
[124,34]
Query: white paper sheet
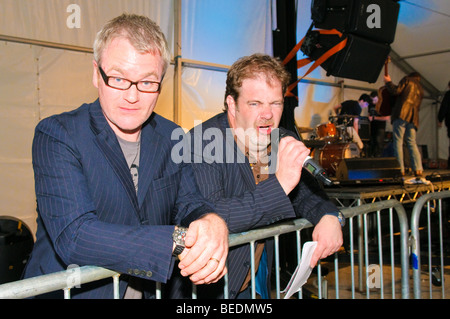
[303,270]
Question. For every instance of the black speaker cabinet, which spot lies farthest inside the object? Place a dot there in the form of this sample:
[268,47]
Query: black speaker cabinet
[368,168]
[371,19]
[361,59]
[364,128]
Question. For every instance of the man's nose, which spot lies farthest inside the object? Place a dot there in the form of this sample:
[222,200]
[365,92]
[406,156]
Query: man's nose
[132,94]
[266,112]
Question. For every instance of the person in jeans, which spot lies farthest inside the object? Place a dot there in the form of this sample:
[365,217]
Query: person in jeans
[405,119]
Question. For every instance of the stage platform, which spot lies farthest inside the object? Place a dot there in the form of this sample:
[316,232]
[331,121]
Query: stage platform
[349,196]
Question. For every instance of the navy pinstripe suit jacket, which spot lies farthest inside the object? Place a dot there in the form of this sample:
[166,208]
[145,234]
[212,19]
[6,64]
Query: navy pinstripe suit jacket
[243,204]
[88,209]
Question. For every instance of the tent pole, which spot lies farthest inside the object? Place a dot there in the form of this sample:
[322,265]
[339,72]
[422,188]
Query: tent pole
[178,64]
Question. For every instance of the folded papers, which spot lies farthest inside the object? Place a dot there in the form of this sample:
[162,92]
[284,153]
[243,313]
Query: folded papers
[303,270]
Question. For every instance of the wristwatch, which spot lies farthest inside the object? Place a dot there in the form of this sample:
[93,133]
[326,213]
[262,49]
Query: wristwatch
[340,217]
[178,238]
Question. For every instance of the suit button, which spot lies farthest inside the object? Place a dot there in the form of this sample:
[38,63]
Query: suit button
[130,271]
[149,274]
[137,272]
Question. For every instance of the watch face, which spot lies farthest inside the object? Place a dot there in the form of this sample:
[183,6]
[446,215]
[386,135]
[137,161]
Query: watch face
[341,219]
[179,234]
[178,238]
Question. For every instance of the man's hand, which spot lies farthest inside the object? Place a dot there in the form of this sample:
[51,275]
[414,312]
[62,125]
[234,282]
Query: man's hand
[328,234]
[291,155]
[387,78]
[204,257]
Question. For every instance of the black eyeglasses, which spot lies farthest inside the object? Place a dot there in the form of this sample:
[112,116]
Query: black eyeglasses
[124,84]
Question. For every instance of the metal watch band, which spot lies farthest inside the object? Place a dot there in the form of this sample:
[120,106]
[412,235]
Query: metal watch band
[178,238]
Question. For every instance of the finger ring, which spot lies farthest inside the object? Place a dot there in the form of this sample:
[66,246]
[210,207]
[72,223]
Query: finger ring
[215,259]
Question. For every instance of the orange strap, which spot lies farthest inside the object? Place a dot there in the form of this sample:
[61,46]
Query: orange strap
[293,52]
[300,63]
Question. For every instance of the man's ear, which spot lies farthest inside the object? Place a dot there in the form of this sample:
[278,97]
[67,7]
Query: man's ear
[231,105]
[95,74]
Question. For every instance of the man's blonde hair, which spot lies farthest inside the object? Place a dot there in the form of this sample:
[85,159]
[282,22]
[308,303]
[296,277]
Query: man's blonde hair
[143,33]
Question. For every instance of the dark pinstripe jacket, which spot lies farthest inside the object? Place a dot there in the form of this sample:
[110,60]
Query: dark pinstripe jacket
[243,204]
[88,209]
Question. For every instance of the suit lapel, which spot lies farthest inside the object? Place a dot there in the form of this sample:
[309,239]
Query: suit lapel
[107,142]
[230,144]
[150,160]
[246,173]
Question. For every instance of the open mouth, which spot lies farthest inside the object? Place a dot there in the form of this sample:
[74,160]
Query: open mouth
[265,129]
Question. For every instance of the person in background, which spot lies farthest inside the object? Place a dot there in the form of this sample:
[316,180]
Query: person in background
[108,193]
[405,119]
[242,182]
[377,128]
[444,116]
[353,109]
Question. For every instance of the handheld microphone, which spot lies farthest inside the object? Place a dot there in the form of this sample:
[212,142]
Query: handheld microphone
[316,170]
[311,166]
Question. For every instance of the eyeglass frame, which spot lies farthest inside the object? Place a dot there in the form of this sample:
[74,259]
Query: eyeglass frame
[106,80]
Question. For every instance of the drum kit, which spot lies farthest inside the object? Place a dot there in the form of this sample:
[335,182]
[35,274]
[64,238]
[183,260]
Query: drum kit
[331,142]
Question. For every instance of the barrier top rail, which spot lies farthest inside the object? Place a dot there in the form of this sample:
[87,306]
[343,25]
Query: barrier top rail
[296,224]
[56,281]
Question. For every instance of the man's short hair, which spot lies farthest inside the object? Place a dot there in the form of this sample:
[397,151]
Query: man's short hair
[143,33]
[366,98]
[251,67]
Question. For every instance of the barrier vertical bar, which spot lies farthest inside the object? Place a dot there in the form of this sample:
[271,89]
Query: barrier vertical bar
[299,254]
[336,275]
[391,241]
[352,257]
[252,267]
[277,266]
[66,293]
[225,286]
[366,254]
[430,287]
[441,246]
[116,286]
[380,254]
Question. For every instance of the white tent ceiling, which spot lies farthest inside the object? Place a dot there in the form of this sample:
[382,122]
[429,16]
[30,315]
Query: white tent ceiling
[422,40]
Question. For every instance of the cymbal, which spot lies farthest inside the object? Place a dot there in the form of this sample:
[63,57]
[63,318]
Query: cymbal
[304,129]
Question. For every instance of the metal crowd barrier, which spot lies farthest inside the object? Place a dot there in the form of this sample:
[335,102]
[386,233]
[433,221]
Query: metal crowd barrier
[434,209]
[64,280]
[362,213]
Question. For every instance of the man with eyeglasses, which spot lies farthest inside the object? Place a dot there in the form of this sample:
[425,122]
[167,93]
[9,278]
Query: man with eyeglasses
[108,193]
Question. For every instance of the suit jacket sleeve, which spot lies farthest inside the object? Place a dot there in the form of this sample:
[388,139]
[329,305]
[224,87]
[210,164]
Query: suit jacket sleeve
[309,199]
[245,206]
[242,205]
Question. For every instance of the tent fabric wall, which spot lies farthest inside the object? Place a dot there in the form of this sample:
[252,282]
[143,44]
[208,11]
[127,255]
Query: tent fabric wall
[218,32]
[46,20]
[42,81]
[39,81]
